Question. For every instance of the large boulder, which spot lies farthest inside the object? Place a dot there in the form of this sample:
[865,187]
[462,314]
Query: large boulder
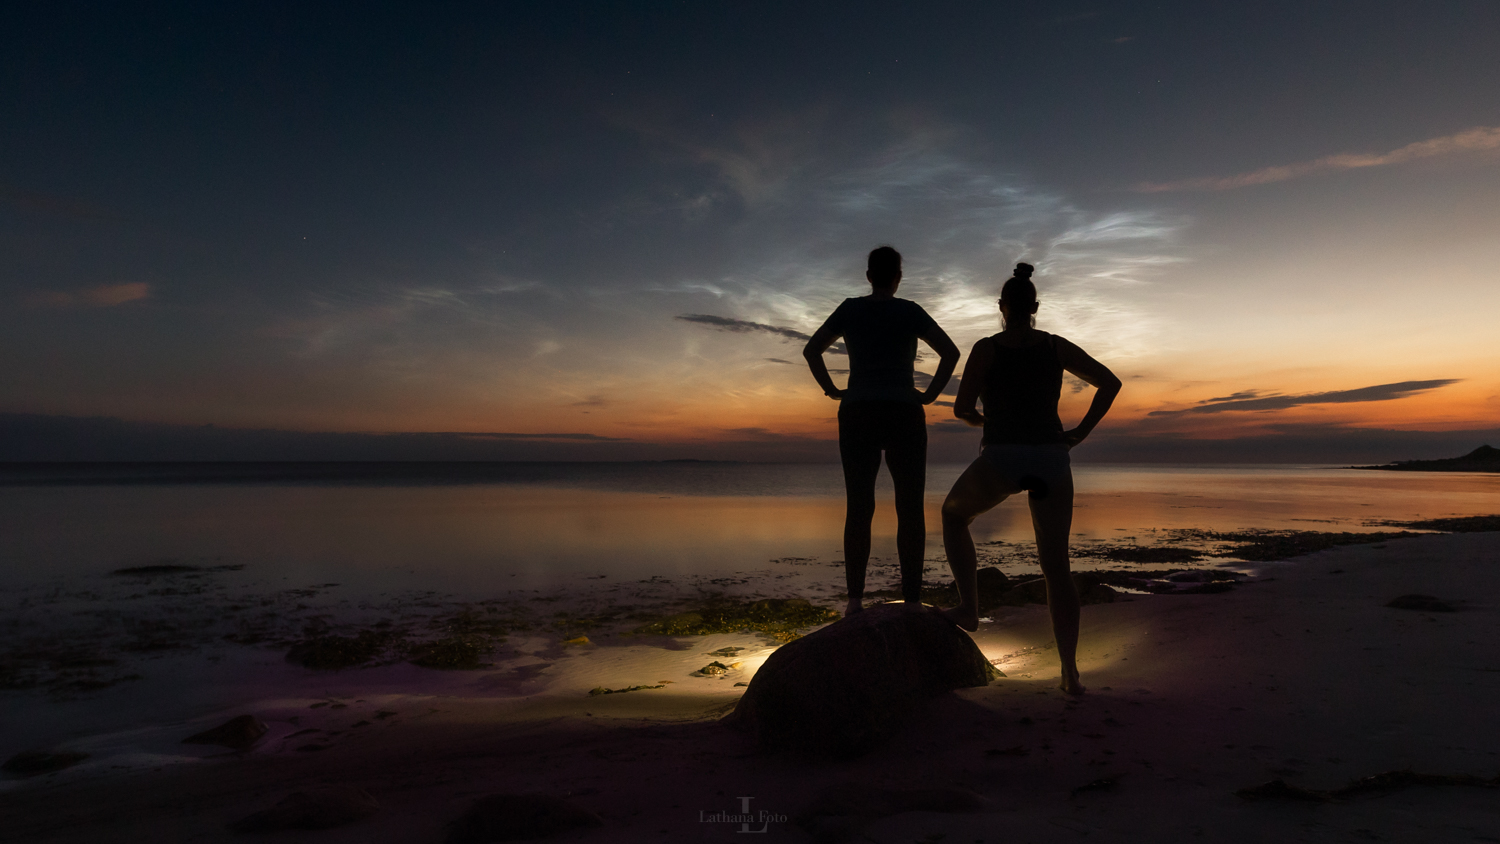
[848,686]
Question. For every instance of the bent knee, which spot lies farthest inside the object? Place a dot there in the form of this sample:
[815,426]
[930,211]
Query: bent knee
[957,513]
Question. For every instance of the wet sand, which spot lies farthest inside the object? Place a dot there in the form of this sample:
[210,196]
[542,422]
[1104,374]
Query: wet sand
[1304,676]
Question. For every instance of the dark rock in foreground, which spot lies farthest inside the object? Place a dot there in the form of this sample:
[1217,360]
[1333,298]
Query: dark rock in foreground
[1426,603]
[30,763]
[316,808]
[236,733]
[848,686]
[993,584]
[518,817]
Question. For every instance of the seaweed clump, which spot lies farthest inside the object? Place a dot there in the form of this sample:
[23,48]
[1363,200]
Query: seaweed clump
[331,652]
[1264,546]
[781,619]
[1142,553]
[1268,546]
[601,690]
[470,637]
[461,653]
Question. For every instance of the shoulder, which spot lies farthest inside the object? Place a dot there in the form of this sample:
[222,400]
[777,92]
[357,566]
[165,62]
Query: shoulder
[1070,355]
[1063,344]
[914,310]
[984,346]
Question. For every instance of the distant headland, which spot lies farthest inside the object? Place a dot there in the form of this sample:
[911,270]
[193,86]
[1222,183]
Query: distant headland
[1482,459]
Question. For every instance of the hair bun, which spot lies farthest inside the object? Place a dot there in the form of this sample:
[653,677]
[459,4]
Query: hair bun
[1024,270]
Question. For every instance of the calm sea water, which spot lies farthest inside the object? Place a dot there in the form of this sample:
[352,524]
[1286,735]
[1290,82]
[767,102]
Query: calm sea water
[477,528]
[122,667]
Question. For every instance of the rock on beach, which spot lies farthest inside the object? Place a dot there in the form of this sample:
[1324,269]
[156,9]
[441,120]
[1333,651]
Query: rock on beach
[846,687]
[237,733]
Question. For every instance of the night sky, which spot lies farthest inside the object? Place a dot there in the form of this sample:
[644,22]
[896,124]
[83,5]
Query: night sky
[595,231]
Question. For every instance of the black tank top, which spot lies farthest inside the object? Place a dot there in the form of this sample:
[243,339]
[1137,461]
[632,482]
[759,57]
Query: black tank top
[1020,394]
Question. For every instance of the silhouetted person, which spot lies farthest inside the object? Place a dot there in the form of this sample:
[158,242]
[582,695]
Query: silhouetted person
[881,411]
[1018,373]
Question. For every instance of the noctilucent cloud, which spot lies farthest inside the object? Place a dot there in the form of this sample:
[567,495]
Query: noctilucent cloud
[599,231]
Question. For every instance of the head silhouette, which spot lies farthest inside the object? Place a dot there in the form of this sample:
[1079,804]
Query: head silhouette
[884,268]
[1018,295]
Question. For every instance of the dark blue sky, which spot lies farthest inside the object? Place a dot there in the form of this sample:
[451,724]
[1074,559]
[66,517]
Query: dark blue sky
[484,217]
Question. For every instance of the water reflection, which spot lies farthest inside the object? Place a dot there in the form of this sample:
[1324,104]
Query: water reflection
[488,537]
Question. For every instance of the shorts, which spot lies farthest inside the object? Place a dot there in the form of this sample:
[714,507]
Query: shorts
[867,428]
[1037,469]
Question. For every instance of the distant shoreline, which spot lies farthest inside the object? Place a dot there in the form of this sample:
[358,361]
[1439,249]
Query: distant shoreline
[1482,459]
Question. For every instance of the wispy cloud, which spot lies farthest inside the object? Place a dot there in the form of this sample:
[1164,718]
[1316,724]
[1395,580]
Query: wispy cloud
[741,326]
[1379,392]
[752,161]
[961,225]
[924,380]
[104,296]
[831,370]
[1242,394]
[1474,140]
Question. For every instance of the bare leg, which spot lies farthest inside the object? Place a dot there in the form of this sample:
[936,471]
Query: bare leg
[1052,518]
[906,457]
[861,465]
[977,490]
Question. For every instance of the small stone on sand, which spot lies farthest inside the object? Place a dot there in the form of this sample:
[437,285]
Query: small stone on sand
[237,733]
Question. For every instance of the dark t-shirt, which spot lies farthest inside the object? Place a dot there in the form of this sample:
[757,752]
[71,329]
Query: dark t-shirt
[881,336]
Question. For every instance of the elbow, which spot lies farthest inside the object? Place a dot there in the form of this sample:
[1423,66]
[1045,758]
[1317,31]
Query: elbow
[811,353]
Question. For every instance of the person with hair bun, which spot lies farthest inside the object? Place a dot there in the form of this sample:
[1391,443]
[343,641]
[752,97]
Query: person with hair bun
[1018,375]
[881,411]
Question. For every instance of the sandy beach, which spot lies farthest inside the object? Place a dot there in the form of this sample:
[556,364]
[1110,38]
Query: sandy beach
[1302,676]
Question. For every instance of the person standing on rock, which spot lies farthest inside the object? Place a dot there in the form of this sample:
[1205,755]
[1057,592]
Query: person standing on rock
[882,411]
[1018,374]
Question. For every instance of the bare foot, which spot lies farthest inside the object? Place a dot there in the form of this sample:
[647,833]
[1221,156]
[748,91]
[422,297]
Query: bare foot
[967,619]
[855,606]
[1070,684]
